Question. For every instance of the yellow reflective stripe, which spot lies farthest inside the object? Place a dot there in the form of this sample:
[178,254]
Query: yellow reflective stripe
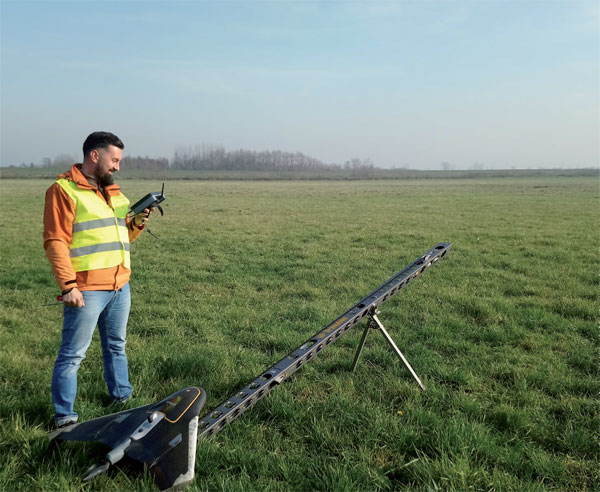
[97,248]
[97,223]
[104,259]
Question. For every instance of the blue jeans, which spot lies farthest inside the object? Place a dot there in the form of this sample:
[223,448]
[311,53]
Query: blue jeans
[109,309]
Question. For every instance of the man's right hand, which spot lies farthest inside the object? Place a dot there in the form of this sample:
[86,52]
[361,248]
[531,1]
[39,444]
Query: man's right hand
[73,298]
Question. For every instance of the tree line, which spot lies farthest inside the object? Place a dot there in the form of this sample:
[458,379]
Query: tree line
[145,162]
[216,158]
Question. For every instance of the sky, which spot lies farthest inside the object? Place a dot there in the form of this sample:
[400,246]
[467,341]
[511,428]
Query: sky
[494,84]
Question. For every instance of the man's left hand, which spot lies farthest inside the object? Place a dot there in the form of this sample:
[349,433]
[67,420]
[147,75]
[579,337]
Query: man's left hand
[140,219]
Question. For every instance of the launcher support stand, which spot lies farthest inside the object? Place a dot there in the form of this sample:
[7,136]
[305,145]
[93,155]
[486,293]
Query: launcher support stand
[375,324]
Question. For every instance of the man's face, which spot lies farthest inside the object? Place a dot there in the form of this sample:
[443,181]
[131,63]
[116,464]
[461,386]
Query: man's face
[107,162]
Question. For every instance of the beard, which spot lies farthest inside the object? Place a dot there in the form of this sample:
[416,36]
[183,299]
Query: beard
[106,179]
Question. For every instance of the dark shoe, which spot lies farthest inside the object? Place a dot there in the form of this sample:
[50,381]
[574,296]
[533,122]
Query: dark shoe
[61,424]
[60,428]
[121,401]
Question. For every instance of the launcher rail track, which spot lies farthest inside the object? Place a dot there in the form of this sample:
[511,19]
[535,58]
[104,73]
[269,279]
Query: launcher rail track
[242,400]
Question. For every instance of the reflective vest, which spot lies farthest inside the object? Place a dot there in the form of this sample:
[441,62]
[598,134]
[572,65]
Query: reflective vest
[100,237]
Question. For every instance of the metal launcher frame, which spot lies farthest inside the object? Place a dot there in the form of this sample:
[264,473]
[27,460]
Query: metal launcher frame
[242,400]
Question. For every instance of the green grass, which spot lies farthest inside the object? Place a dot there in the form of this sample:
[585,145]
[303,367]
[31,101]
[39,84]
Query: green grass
[503,333]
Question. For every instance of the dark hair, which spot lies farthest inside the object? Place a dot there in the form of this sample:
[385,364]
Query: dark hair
[100,140]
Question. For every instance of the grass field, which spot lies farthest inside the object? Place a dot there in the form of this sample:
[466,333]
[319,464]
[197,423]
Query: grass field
[503,333]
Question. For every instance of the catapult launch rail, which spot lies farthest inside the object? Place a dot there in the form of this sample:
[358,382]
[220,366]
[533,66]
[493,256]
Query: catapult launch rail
[239,402]
[163,435]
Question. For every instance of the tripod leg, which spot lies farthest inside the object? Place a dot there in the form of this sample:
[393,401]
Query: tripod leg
[397,350]
[361,345]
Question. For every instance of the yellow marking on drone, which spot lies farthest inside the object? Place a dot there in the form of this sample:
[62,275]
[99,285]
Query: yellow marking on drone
[187,408]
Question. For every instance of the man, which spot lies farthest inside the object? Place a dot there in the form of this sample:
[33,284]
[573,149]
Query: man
[86,237]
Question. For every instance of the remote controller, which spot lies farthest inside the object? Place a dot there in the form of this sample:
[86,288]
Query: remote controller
[150,200]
